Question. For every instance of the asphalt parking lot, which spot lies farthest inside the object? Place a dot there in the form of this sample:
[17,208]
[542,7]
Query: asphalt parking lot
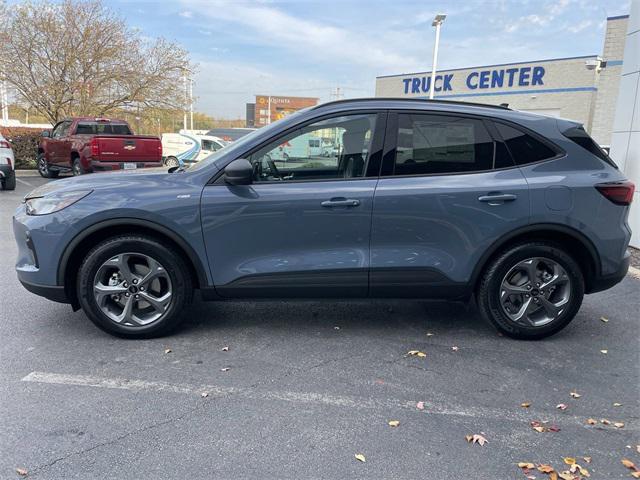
[305,386]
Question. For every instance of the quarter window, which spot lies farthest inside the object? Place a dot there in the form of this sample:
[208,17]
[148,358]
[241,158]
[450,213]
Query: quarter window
[440,144]
[334,148]
[523,147]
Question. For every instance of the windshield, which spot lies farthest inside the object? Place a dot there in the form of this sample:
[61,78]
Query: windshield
[239,145]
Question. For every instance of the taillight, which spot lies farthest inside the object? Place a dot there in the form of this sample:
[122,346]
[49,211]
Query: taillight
[620,193]
[95,147]
[160,149]
[4,144]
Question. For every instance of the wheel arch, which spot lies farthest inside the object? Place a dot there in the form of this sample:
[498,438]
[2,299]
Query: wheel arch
[577,244]
[76,250]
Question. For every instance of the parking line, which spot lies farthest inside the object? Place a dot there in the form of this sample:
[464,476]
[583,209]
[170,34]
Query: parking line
[24,182]
[252,393]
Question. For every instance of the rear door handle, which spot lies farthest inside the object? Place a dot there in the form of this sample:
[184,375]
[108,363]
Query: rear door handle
[497,199]
[340,202]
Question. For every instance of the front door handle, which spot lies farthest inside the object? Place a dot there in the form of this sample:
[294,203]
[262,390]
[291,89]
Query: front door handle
[340,202]
[497,199]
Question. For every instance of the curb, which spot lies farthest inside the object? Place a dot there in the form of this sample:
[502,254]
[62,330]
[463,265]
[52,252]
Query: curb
[27,173]
[634,272]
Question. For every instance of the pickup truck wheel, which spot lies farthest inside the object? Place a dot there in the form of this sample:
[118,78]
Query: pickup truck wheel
[77,167]
[172,162]
[134,286]
[9,183]
[531,291]
[43,167]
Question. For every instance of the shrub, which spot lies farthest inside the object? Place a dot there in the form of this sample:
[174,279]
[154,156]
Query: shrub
[24,142]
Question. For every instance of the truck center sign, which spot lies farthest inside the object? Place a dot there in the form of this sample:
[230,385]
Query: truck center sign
[479,79]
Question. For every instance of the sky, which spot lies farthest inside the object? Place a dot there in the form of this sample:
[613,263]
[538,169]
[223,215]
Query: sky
[310,47]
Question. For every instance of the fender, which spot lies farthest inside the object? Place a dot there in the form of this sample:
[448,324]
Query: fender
[193,257]
[533,228]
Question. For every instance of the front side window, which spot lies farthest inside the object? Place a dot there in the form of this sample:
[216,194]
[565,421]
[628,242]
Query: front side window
[207,145]
[441,144]
[330,149]
[523,147]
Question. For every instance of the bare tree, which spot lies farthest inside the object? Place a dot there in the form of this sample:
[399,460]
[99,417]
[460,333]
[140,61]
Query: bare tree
[79,58]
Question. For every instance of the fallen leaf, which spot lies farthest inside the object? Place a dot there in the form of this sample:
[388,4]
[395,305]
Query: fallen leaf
[604,421]
[554,428]
[394,423]
[566,475]
[553,476]
[360,457]
[616,404]
[587,459]
[526,465]
[204,394]
[604,351]
[168,350]
[539,429]
[604,319]
[225,349]
[592,421]
[525,405]
[475,438]
[225,369]
[562,406]
[429,334]
[454,348]
[22,471]
[618,424]
[569,460]
[420,405]
[575,394]
[412,352]
[421,354]
[629,464]
[635,474]
[544,468]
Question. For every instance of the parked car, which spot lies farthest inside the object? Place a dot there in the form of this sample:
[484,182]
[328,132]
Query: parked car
[85,145]
[184,148]
[7,165]
[524,213]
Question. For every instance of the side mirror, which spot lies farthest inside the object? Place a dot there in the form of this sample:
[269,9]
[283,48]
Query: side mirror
[46,133]
[239,172]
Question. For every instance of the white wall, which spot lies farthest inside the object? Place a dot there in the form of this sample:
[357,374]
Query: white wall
[625,139]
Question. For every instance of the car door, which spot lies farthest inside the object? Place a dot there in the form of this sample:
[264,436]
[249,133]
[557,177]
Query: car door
[52,142]
[447,191]
[56,144]
[302,228]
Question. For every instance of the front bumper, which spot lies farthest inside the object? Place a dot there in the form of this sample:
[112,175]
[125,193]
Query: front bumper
[604,282]
[54,293]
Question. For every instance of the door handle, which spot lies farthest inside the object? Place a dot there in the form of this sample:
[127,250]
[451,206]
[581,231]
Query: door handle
[340,202]
[497,199]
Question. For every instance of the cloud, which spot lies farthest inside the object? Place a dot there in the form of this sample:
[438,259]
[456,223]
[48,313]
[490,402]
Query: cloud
[549,13]
[580,26]
[186,14]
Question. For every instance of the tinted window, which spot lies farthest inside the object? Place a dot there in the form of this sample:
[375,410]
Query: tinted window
[437,144]
[523,147]
[94,128]
[582,138]
[333,148]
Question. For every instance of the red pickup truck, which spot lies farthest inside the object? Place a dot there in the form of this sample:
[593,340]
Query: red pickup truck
[85,145]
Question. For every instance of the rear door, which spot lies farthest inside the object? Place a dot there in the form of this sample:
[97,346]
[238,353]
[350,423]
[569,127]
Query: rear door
[447,191]
[302,229]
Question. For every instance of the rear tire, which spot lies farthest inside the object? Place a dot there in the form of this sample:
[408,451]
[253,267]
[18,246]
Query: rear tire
[43,167]
[510,286]
[172,162]
[9,183]
[77,167]
[119,265]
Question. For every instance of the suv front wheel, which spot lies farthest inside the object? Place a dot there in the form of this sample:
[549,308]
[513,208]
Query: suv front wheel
[531,291]
[134,286]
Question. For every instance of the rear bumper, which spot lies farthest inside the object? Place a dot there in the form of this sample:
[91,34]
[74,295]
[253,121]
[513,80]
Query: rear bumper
[98,166]
[604,282]
[53,293]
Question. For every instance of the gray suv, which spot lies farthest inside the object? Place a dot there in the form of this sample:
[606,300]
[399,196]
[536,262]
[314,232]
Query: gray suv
[418,199]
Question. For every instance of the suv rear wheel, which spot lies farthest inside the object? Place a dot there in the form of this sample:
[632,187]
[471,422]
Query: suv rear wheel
[531,291]
[134,287]
[9,182]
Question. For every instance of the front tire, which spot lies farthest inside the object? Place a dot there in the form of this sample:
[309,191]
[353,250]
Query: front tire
[43,167]
[134,287]
[531,290]
[77,167]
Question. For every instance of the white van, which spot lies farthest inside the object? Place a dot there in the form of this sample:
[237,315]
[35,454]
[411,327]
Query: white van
[185,147]
[302,146]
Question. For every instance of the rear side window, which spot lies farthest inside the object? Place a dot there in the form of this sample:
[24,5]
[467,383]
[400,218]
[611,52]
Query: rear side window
[439,144]
[581,137]
[523,147]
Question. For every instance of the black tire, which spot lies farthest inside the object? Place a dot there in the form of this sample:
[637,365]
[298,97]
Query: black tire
[488,291]
[171,162]
[9,183]
[174,265]
[43,168]
[76,167]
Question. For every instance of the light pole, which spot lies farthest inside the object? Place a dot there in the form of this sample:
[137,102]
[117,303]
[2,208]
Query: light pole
[437,21]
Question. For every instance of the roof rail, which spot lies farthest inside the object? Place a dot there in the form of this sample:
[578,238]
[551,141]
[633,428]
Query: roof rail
[423,100]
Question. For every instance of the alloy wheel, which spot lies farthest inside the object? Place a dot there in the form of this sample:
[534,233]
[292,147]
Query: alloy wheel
[132,289]
[535,292]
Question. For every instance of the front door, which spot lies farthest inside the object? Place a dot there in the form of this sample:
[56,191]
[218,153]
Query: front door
[448,190]
[302,228]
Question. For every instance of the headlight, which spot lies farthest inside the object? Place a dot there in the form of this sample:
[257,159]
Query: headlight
[53,202]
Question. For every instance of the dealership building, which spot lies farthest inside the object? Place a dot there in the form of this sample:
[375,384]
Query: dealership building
[269,108]
[581,88]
